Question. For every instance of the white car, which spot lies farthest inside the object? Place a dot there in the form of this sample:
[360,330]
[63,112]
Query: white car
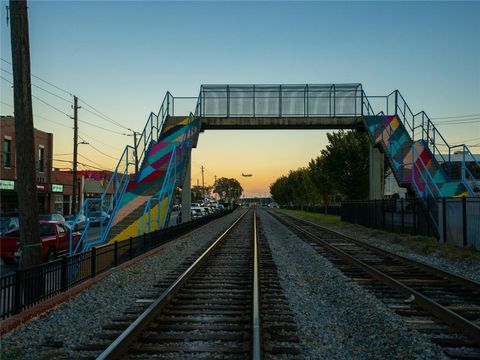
[200,211]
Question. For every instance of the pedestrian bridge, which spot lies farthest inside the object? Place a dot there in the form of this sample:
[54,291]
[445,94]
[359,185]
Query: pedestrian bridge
[149,173]
[224,107]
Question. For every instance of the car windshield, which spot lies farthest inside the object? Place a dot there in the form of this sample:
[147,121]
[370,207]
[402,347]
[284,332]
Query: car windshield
[8,224]
[70,217]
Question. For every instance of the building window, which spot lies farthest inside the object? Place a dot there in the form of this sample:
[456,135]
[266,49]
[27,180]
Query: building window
[41,158]
[7,153]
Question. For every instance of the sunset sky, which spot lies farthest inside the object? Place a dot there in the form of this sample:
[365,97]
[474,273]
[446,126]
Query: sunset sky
[121,57]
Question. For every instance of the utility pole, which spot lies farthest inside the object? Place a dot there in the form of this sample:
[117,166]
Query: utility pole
[75,149]
[24,143]
[203,186]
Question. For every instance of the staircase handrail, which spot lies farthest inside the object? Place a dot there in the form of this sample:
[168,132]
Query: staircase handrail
[119,181]
[152,129]
[422,173]
[434,139]
[141,226]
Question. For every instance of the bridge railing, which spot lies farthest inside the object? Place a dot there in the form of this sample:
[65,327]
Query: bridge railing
[421,128]
[280,100]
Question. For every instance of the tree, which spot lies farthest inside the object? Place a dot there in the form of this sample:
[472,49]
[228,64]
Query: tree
[322,179]
[228,189]
[197,192]
[346,161]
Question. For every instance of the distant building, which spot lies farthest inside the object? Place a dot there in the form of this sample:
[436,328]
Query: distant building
[8,170]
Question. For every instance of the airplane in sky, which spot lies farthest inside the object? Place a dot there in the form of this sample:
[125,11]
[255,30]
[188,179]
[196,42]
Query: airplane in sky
[246,175]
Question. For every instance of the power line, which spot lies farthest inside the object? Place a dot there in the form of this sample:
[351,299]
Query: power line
[45,81]
[40,116]
[101,142]
[459,123]
[93,162]
[80,163]
[102,115]
[100,151]
[43,89]
[455,117]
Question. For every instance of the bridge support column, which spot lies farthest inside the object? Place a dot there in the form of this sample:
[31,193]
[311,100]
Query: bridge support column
[376,177]
[187,191]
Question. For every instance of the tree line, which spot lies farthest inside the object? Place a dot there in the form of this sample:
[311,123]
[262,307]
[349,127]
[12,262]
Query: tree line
[341,170]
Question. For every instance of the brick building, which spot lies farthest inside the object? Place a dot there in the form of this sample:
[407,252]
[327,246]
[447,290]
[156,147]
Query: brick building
[8,171]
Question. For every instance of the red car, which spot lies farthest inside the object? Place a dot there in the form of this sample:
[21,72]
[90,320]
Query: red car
[54,237]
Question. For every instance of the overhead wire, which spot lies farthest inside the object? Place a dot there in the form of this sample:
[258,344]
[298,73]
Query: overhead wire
[98,150]
[45,81]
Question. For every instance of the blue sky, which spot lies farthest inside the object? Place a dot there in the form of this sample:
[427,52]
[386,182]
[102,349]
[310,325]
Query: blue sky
[121,57]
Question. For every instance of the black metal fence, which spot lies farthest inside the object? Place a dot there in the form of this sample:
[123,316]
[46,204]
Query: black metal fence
[25,288]
[454,221]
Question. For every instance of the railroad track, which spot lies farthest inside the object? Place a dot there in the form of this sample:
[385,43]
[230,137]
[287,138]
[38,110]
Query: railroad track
[228,304]
[441,305]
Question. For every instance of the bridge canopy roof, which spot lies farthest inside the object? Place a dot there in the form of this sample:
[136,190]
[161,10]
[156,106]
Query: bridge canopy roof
[287,100]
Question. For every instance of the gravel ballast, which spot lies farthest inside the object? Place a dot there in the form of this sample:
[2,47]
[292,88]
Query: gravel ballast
[469,269]
[74,322]
[336,318]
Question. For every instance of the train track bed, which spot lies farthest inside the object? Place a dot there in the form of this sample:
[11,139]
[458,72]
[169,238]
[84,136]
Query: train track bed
[462,262]
[336,318]
[440,305]
[207,311]
[58,333]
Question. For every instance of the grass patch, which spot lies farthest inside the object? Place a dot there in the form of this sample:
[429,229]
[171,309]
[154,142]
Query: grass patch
[424,245]
[329,219]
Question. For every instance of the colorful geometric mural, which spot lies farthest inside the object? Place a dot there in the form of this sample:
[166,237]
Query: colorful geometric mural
[412,161]
[176,136]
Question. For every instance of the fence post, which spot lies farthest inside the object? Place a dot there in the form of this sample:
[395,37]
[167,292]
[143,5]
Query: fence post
[464,218]
[130,247]
[414,210]
[444,219]
[403,215]
[115,253]
[144,243]
[63,274]
[384,219]
[393,209]
[93,259]
[18,291]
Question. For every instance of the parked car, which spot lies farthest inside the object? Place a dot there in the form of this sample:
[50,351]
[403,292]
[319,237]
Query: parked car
[51,217]
[8,224]
[200,211]
[98,218]
[54,238]
[196,213]
[80,225]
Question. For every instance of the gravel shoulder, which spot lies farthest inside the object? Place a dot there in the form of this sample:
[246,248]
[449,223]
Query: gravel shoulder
[417,248]
[336,318]
[75,321]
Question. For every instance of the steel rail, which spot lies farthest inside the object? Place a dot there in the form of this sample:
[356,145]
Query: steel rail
[120,345]
[256,335]
[443,313]
[470,284]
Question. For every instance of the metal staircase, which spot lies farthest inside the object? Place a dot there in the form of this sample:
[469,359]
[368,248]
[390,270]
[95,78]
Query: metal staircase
[133,168]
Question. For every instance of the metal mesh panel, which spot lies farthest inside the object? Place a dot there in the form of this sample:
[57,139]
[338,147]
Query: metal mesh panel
[293,100]
[241,101]
[281,100]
